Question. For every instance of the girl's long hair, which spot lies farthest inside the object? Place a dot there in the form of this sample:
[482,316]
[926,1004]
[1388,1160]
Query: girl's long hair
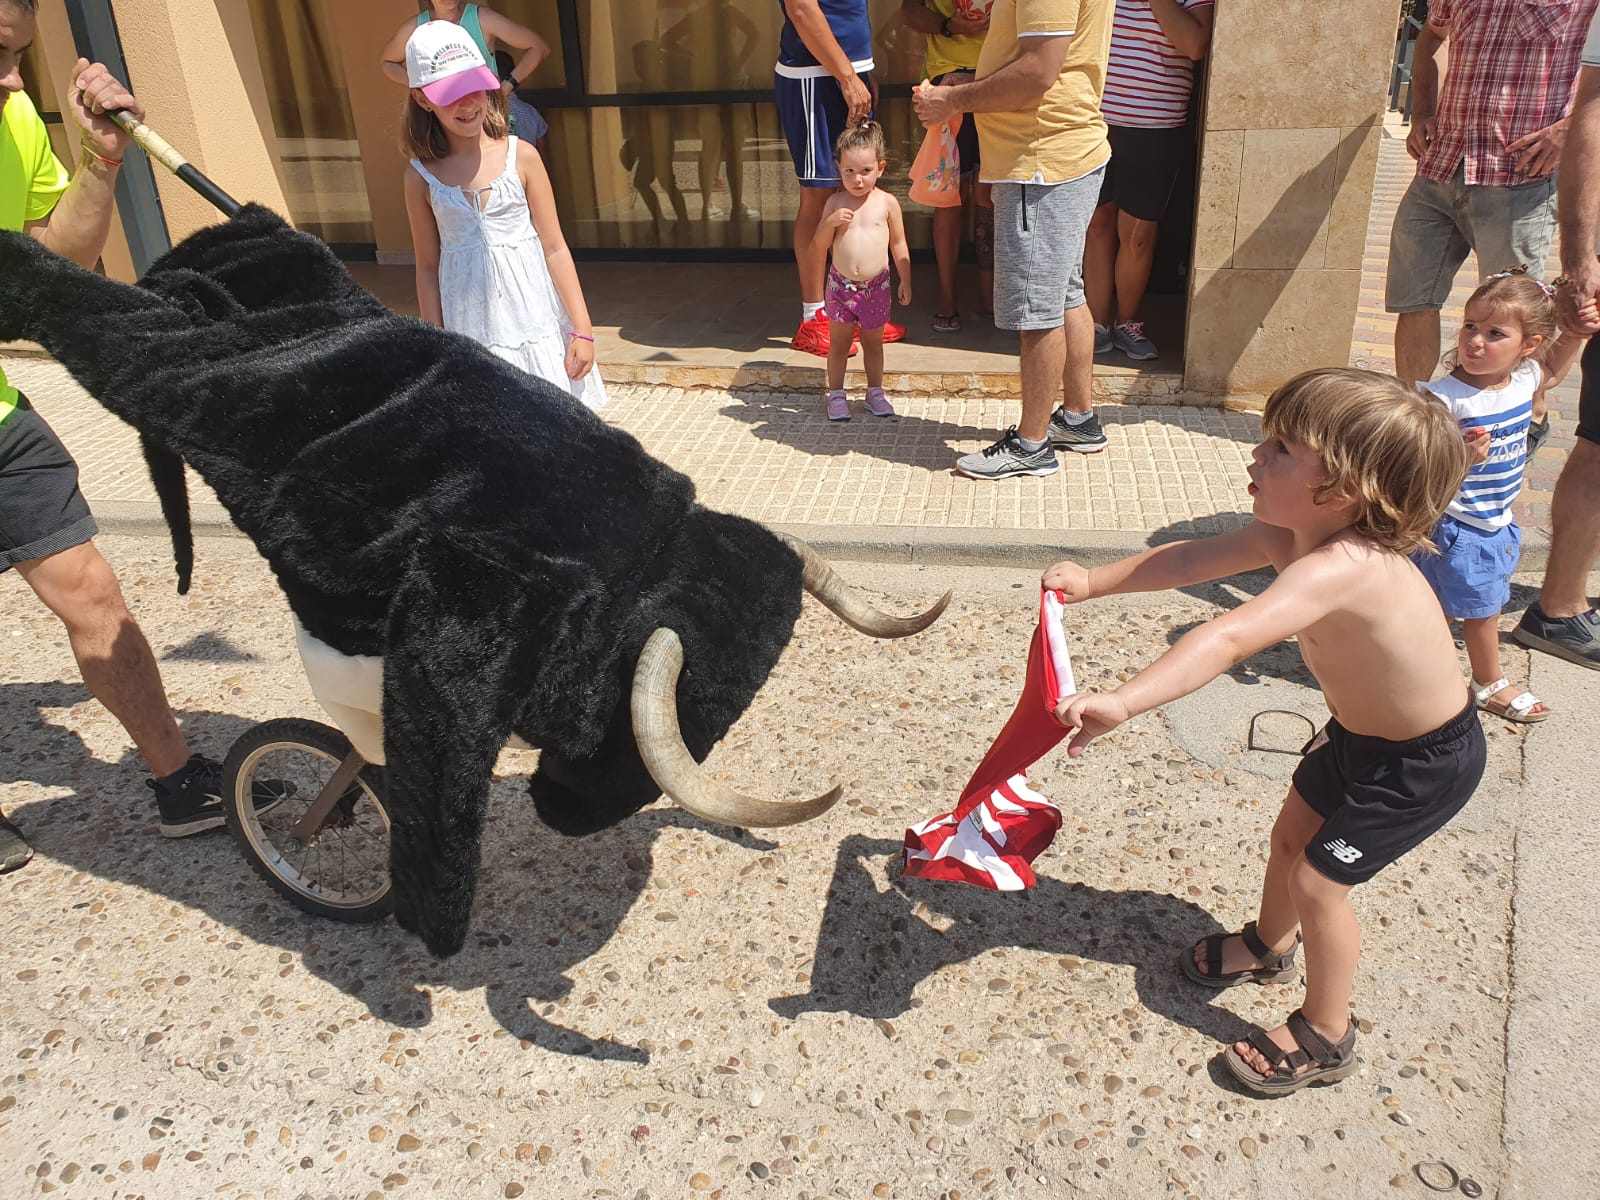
[421,135]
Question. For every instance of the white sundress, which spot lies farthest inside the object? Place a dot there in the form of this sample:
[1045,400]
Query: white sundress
[494,285]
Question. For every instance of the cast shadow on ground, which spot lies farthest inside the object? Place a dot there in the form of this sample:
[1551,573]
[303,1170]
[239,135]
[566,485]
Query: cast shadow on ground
[796,420]
[873,950]
[545,903]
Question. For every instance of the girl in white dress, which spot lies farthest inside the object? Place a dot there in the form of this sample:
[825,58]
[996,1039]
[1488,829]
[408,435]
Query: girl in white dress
[491,261]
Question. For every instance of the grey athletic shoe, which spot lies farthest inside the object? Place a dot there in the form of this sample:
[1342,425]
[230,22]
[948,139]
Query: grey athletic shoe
[14,849]
[1007,458]
[1087,438]
[1102,339]
[1130,339]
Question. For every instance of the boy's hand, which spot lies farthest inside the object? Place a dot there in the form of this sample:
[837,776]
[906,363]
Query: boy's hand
[1091,714]
[1477,445]
[1070,579]
[839,218]
[903,295]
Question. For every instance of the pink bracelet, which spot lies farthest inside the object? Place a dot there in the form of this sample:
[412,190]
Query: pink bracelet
[588,337]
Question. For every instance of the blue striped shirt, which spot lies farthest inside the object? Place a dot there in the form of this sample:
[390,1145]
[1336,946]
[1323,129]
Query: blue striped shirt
[1491,487]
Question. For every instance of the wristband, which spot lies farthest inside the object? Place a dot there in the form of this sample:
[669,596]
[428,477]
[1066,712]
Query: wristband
[587,337]
[513,81]
[93,153]
[944,28]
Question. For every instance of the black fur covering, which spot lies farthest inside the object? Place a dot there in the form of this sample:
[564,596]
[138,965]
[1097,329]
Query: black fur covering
[505,551]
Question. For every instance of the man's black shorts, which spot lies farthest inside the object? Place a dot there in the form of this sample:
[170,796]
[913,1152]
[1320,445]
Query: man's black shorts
[1589,394]
[1143,169]
[41,509]
[1379,798]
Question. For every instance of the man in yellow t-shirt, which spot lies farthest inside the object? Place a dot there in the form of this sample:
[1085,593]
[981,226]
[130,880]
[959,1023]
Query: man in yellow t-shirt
[45,525]
[1037,100]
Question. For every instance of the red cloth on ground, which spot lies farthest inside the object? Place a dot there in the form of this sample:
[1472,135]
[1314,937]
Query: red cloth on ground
[1000,824]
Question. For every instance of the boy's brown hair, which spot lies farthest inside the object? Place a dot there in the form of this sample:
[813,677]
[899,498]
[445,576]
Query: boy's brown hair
[422,137]
[866,136]
[1394,449]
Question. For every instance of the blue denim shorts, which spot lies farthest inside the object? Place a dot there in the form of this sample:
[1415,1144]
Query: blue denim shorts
[1471,574]
[1438,224]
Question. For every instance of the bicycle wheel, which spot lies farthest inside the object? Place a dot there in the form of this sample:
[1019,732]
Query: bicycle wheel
[340,871]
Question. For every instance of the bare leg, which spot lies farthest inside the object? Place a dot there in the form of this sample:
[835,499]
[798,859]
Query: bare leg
[871,354]
[116,662]
[1574,533]
[840,335]
[1278,918]
[1043,354]
[983,246]
[1077,376]
[1100,262]
[947,253]
[1416,345]
[1136,254]
[1482,636]
[812,262]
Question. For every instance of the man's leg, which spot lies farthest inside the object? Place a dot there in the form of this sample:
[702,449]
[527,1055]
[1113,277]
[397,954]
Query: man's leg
[811,260]
[118,667]
[1426,249]
[1043,361]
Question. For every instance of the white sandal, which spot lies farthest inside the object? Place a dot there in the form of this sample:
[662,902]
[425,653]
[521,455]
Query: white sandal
[1516,709]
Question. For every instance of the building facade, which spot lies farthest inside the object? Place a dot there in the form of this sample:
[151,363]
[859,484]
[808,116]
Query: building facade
[664,143]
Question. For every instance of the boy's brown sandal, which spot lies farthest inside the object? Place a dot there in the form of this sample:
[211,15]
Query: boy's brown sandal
[1329,1061]
[1274,968]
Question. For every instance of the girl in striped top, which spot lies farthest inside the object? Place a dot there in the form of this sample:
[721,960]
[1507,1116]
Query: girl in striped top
[1506,359]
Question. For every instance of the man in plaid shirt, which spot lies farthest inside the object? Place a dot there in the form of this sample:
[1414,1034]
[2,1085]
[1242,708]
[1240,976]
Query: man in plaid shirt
[1486,146]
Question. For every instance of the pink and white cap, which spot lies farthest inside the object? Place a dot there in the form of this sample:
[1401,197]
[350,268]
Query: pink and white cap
[444,61]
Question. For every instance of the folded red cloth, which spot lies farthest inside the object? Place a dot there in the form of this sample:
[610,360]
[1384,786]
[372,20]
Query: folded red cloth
[1000,825]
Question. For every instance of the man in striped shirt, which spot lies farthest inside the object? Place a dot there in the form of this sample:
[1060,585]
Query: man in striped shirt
[1486,146]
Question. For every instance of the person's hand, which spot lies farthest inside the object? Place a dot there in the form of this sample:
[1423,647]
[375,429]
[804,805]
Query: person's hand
[1539,153]
[1071,580]
[839,218]
[1421,135]
[580,357]
[960,26]
[903,295]
[1477,440]
[933,103]
[1092,714]
[507,87]
[857,98]
[1578,298]
[94,93]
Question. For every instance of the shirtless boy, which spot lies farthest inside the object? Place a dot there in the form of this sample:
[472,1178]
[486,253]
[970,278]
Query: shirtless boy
[1354,472]
[862,225]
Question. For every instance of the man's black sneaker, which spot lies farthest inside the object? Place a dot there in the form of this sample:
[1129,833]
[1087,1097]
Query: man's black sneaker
[1576,639]
[190,799]
[1086,437]
[14,848]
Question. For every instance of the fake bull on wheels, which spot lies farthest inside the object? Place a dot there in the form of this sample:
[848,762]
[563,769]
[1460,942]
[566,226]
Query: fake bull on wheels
[470,555]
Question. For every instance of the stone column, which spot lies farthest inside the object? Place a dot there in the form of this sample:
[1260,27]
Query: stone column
[1293,115]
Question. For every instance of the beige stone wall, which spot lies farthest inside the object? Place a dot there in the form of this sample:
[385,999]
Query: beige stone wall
[1293,115]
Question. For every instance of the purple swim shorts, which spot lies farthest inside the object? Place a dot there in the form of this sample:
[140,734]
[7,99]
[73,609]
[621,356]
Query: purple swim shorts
[864,303]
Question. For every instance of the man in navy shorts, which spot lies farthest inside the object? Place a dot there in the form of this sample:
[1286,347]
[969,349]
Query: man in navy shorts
[823,84]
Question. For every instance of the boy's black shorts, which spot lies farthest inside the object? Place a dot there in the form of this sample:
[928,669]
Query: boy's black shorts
[42,512]
[1381,798]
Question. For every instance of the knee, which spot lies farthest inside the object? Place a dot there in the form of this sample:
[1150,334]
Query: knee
[1103,224]
[93,596]
[1310,888]
[1137,235]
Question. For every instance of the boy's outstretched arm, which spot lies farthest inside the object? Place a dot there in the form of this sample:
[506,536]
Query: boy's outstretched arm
[1305,593]
[1176,564]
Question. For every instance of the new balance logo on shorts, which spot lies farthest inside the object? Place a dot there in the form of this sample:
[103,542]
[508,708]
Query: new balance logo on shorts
[1342,850]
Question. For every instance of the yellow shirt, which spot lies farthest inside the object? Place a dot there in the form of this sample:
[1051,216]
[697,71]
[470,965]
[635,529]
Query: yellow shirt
[947,54]
[1063,136]
[31,181]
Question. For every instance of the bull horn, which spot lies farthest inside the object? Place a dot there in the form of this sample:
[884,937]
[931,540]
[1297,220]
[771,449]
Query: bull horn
[655,728]
[846,603]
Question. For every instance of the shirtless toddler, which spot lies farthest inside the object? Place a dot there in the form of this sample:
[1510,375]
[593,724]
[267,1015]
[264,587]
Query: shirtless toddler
[1355,470]
[862,225]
